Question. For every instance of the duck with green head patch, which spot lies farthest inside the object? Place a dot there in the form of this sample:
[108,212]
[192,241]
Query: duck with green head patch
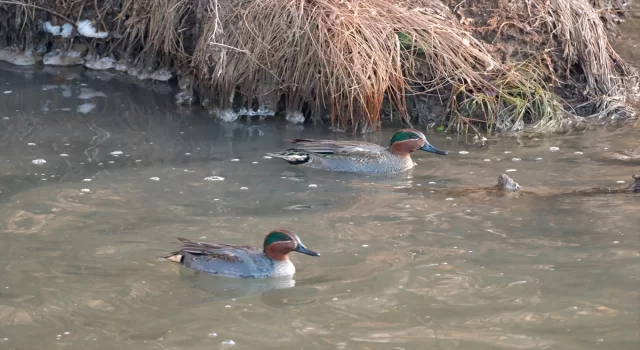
[359,156]
[243,261]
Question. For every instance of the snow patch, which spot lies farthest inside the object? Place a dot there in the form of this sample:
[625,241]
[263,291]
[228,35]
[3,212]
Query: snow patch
[64,31]
[87,29]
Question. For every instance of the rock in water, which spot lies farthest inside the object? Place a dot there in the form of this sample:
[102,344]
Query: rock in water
[508,184]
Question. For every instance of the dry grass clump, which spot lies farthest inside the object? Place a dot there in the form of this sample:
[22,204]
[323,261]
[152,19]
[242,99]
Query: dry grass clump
[346,55]
[573,36]
[154,31]
[522,100]
[585,42]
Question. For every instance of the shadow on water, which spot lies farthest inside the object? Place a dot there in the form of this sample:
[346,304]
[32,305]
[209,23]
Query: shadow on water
[125,172]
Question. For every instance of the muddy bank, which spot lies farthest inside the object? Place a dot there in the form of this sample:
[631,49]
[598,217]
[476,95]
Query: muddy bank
[480,64]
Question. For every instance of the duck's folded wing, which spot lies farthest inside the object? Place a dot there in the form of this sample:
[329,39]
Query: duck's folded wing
[331,147]
[211,251]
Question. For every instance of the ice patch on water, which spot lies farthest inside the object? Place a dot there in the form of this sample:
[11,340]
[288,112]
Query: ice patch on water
[516,159]
[553,149]
[262,112]
[122,66]
[228,342]
[100,64]
[39,161]
[8,92]
[227,115]
[85,190]
[66,58]
[86,93]
[214,178]
[66,91]
[87,29]
[295,117]
[86,108]
[510,170]
[19,58]
[159,75]
[463,152]
[116,153]
[155,178]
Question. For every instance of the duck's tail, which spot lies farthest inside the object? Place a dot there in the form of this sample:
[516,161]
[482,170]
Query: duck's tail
[292,156]
[176,257]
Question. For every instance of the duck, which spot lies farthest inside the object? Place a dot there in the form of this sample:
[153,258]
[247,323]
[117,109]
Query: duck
[242,261]
[358,156]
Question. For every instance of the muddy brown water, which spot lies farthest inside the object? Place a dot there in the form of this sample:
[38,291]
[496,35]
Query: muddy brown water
[81,234]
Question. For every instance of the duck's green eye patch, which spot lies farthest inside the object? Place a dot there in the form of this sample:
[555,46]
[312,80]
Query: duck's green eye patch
[403,136]
[276,236]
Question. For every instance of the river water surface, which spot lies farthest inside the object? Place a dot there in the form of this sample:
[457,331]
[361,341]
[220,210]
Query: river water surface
[98,178]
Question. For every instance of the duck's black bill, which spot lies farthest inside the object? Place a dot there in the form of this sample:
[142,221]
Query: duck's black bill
[302,249]
[428,148]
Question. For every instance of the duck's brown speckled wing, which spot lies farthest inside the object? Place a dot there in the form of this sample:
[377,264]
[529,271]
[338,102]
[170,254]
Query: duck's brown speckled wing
[338,148]
[211,251]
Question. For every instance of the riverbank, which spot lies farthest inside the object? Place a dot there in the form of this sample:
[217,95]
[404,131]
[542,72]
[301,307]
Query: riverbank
[474,65]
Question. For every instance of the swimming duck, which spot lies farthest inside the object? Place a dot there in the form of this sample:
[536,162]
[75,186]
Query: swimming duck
[358,156]
[243,261]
